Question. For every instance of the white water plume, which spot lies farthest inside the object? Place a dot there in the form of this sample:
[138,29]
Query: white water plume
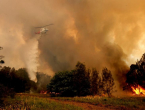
[31,57]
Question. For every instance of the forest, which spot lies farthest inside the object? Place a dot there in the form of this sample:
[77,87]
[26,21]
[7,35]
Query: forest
[78,82]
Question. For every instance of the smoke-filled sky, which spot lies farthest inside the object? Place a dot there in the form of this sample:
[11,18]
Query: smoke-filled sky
[100,33]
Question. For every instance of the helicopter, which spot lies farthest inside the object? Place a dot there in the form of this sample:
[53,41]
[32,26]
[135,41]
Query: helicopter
[43,29]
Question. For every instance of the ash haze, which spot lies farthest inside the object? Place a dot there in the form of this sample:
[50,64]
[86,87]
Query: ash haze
[101,33]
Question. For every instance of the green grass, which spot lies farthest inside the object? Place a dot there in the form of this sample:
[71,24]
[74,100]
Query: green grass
[36,103]
[128,102]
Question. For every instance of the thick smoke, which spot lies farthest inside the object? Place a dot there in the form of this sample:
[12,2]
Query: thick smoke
[98,32]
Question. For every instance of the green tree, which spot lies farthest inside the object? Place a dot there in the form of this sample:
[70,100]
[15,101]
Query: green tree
[12,81]
[107,81]
[95,82]
[62,83]
[16,79]
[5,78]
[71,83]
[21,80]
[81,80]
[5,83]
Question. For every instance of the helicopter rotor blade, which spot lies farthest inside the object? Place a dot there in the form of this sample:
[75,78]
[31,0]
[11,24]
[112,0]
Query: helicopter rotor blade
[44,26]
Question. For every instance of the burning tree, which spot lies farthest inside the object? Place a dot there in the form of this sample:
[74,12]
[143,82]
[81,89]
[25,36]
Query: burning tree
[136,75]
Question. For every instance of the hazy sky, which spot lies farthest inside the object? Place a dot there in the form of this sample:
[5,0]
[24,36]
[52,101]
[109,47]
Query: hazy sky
[100,33]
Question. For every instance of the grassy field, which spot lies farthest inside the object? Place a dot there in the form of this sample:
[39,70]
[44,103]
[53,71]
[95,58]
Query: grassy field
[124,102]
[45,102]
[29,102]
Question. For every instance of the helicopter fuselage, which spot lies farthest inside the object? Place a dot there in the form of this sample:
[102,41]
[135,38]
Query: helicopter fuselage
[43,30]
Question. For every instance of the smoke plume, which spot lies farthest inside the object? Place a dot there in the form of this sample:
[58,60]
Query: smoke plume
[101,33]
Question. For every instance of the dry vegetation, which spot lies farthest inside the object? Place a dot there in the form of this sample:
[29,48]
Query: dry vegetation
[28,102]
[119,103]
[44,102]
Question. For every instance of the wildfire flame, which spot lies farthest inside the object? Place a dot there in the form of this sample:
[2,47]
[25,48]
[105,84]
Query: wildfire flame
[43,92]
[138,90]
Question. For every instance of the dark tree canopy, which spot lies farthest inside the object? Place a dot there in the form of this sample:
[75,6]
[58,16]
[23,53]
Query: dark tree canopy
[107,81]
[16,79]
[62,83]
[71,83]
[136,74]
[95,82]
[81,80]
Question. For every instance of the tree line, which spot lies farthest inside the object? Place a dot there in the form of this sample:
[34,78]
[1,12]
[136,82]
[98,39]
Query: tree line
[17,81]
[78,82]
[82,81]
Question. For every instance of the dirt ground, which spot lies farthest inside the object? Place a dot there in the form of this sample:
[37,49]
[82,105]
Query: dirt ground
[87,106]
